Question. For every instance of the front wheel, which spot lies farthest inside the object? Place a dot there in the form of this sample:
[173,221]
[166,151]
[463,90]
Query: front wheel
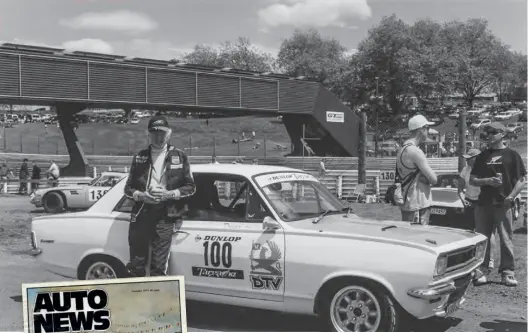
[359,307]
[53,203]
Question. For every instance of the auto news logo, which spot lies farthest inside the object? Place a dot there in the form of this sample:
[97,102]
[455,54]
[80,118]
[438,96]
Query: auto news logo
[71,311]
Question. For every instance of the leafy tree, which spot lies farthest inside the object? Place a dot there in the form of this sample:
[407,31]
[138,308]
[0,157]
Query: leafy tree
[307,53]
[380,56]
[240,55]
[475,54]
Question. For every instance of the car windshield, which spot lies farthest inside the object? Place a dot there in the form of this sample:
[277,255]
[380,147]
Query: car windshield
[296,196]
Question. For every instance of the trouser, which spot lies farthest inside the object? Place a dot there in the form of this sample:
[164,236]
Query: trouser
[35,185]
[149,231]
[487,218]
[418,216]
[23,186]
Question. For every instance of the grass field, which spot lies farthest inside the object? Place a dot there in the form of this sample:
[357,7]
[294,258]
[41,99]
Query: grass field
[123,139]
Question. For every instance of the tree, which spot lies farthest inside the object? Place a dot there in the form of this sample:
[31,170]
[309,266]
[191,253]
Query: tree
[380,56]
[307,53]
[240,55]
[475,53]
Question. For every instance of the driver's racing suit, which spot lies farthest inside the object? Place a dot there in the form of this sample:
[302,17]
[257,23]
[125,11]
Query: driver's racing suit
[154,223]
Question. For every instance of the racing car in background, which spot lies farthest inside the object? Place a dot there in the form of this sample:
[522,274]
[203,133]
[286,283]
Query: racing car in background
[78,196]
[447,210]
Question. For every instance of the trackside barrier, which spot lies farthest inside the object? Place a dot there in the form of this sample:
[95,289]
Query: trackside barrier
[334,165]
[11,186]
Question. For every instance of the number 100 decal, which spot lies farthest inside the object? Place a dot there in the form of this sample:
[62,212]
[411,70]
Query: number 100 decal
[217,254]
[218,259]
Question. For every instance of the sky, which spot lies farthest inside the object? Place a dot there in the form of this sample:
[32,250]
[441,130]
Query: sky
[166,29]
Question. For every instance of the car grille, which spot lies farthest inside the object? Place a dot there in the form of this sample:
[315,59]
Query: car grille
[460,258]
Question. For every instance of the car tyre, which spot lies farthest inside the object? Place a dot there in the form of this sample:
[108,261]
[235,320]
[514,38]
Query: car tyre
[364,296]
[53,202]
[101,267]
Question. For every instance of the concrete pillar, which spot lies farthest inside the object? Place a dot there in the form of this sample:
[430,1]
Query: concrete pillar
[78,166]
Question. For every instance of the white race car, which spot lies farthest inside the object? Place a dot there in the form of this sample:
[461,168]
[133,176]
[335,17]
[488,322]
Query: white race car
[275,238]
[76,196]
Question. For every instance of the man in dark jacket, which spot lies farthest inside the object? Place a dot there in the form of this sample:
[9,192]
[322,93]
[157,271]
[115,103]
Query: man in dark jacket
[23,174]
[159,178]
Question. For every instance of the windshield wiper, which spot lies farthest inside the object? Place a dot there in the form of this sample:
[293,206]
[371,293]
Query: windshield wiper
[318,218]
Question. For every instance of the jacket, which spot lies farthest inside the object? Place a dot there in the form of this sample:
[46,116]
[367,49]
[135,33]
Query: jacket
[179,176]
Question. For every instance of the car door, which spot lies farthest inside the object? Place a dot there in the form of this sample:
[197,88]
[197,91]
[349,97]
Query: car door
[221,247]
[97,190]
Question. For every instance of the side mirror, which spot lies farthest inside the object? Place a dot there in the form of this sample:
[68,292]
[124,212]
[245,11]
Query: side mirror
[270,224]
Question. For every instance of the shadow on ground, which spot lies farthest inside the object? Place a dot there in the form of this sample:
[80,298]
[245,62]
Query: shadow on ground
[234,319]
[504,326]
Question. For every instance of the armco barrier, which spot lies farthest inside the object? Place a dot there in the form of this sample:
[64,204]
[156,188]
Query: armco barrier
[346,166]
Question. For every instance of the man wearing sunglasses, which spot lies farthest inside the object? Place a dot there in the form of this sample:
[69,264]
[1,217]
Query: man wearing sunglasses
[500,173]
[160,176]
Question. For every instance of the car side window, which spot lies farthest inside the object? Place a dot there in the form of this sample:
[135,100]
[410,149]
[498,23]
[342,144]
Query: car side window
[124,205]
[225,198]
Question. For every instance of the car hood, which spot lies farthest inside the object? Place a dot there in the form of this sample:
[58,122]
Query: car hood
[429,238]
[446,197]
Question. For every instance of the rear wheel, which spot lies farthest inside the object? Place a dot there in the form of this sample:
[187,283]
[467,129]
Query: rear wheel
[359,307]
[53,202]
[101,267]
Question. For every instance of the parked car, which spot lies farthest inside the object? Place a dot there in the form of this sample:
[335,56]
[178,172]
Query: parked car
[57,199]
[480,123]
[267,237]
[514,127]
[134,121]
[437,120]
[447,209]
[503,116]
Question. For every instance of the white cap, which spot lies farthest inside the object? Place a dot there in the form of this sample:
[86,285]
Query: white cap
[417,122]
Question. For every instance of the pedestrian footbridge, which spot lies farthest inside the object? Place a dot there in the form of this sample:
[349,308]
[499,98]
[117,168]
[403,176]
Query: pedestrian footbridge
[74,81]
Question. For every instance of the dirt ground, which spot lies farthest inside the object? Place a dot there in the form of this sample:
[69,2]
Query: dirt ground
[492,307]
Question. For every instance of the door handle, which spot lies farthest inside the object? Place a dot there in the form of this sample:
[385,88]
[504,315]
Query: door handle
[180,232]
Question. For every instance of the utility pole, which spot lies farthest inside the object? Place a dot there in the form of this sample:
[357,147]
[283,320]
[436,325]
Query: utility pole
[376,130]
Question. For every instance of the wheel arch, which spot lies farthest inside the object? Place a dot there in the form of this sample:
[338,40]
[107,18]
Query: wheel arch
[332,280]
[60,193]
[89,257]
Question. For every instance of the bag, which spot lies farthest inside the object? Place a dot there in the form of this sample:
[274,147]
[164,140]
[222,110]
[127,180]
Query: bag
[394,193]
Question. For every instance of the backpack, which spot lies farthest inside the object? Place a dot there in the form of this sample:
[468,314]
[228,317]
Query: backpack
[394,193]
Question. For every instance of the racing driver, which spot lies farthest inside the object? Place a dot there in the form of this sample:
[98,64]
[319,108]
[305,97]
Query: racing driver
[159,178]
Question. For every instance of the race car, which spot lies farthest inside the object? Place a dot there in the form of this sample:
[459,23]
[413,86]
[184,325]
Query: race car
[447,209]
[275,238]
[67,197]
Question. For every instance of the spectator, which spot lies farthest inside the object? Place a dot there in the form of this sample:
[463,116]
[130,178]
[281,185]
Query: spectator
[500,173]
[53,174]
[3,176]
[35,175]
[415,174]
[322,168]
[23,174]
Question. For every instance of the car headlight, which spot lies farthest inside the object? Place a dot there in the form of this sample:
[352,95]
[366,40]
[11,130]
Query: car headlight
[480,250]
[441,265]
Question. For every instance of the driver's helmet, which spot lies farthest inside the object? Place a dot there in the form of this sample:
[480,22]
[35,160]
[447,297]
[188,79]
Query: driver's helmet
[275,186]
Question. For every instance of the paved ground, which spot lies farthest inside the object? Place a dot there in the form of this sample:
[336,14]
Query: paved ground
[490,308]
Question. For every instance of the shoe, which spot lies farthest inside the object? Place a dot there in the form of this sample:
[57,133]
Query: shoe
[509,281]
[480,281]
[491,264]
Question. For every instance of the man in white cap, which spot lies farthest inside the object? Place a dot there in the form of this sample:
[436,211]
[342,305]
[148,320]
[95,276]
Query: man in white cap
[415,174]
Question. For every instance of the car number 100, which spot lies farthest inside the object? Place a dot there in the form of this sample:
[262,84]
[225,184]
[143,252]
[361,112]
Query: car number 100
[95,195]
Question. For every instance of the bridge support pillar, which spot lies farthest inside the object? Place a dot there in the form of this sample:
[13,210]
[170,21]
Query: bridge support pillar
[78,166]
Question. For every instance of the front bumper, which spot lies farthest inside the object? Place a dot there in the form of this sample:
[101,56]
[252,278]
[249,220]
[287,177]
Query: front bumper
[443,300]
[35,200]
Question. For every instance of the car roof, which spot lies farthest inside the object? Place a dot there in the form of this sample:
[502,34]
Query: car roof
[113,173]
[246,170]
